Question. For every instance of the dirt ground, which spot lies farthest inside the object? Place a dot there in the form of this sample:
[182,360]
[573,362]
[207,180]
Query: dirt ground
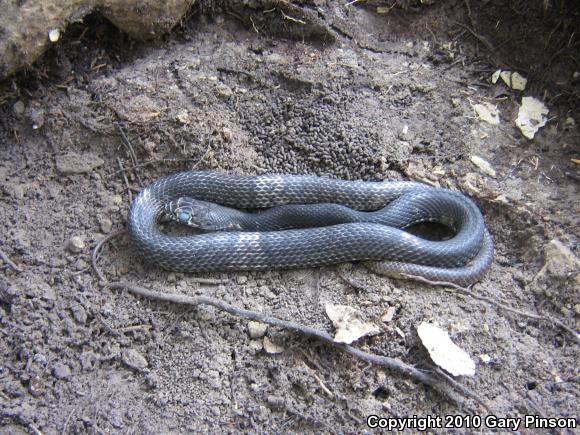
[378,95]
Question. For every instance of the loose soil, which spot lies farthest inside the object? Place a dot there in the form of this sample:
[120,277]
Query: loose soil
[388,97]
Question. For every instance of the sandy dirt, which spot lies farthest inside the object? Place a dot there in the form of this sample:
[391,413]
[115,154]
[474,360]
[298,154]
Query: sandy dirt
[390,98]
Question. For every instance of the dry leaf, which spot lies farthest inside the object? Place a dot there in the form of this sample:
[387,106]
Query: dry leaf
[349,326]
[444,352]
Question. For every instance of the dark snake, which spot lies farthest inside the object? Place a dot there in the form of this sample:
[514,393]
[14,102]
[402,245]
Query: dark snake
[363,221]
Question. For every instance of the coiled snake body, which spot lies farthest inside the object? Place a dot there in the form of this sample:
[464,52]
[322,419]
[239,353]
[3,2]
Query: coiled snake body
[385,208]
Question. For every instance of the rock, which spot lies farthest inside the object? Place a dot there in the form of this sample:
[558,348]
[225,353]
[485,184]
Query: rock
[224,91]
[40,359]
[36,386]
[19,108]
[73,163]
[106,225]
[61,371]
[227,134]
[79,314]
[75,244]
[389,314]
[134,359]
[42,289]
[560,261]
[16,191]
[117,199]
[88,360]
[271,347]
[257,329]
[256,346]
[8,292]
[28,28]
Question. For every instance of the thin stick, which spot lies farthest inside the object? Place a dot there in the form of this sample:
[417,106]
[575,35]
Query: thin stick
[289,18]
[130,150]
[125,179]
[354,283]
[479,37]
[95,254]
[9,262]
[324,387]
[466,391]
[68,420]
[202,158]
[492,301]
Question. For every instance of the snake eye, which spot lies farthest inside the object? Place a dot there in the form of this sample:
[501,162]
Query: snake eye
[183,216]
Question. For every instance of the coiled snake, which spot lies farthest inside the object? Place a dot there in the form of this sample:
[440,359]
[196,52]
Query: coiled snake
[367,224]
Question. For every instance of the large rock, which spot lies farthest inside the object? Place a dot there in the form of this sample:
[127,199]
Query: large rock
[25,25]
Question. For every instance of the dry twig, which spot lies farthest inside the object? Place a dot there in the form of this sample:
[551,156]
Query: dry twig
[130,151]
[122,170]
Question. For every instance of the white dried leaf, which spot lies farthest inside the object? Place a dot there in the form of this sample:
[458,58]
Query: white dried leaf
[495,76]
[483,165]
[531,116]
[444,352]
[349,326]
[487,112]
[514,80]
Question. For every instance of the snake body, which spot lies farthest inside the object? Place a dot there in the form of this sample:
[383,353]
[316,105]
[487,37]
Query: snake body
[367,224]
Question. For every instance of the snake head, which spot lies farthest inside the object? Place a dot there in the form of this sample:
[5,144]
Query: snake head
[195,213]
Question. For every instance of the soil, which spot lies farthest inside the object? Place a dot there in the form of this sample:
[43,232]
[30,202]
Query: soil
[389,97]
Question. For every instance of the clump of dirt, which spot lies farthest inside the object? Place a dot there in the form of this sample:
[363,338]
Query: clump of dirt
[386,100]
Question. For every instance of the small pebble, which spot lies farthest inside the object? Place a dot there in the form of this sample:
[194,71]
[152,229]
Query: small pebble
[117,199]
[257,329]
[242,279]
[39,358]
[224,91]
[227,134]
[61,371]
[54,35]
[19,108]
[36,386]
[79,314]
[134,359]
[17,192]
[106,225]
[75,244]
[81,264]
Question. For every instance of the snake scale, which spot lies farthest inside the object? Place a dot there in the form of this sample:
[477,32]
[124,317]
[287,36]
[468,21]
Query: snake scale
[367,222]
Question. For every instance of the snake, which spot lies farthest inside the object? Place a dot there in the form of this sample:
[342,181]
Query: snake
[262,222]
